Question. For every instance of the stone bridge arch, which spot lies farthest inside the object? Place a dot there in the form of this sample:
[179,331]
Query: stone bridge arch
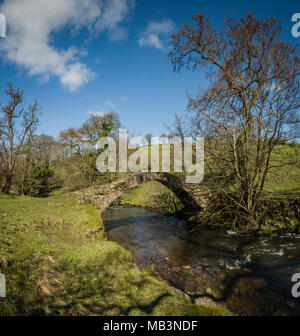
[192,197]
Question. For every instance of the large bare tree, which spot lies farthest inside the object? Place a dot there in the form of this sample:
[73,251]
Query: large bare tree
[17,123]
[249,108]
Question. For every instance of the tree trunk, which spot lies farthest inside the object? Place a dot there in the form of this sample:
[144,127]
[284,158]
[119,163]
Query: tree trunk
[7,184]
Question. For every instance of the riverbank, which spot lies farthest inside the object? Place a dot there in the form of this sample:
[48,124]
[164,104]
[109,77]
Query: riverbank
[52,267]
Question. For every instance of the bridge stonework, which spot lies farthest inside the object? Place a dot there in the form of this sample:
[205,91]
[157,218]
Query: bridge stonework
[191,195]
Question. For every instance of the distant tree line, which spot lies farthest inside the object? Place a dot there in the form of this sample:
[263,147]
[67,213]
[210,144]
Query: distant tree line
[32,164]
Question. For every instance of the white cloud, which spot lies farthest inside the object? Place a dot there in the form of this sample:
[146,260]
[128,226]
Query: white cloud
[157,34]
[31,24]
[100,110]
[110,104]
[97,113]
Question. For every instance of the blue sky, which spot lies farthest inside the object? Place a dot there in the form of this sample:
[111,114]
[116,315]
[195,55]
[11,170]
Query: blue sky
[109,55]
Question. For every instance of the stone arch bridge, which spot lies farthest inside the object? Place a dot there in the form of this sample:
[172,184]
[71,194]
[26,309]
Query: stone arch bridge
[191,195]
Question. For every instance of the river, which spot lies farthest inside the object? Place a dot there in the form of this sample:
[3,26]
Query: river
[249,276]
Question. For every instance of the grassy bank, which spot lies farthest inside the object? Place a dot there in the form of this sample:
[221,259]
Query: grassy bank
[53,268]
[153,196]
[284,180]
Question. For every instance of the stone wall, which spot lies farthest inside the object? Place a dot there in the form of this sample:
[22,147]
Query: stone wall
[192,196]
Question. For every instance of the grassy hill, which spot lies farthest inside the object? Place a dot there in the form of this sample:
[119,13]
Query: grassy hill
[281,182]
[53,268]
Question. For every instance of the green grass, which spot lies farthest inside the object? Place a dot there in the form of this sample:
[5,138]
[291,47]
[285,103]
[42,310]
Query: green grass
[145,196]
[52,267]
[285,180]
[282,181]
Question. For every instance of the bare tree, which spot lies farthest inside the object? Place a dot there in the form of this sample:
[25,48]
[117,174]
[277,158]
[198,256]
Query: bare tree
[76,139]
[148,138]
[36,165]
[250,107]
[95,127]
[16,125]
[179,128]
[71,141]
